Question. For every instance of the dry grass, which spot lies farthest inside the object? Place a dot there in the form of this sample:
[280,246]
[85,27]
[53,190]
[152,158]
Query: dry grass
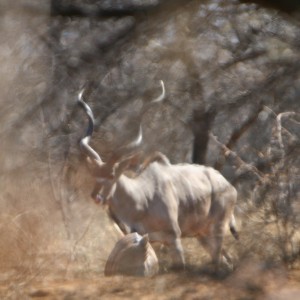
[54,241]
[39,260]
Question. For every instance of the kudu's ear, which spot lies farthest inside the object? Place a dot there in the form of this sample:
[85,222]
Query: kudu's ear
[131,163]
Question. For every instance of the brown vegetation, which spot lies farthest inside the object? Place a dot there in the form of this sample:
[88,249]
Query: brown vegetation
[232,71]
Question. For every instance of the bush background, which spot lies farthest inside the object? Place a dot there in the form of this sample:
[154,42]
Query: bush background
[232,73]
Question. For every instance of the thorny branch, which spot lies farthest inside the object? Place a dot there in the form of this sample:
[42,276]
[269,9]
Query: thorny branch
[59,195]
[242,166]
[279,127]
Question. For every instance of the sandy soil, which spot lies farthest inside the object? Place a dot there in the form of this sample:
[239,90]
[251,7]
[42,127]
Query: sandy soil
[249,281]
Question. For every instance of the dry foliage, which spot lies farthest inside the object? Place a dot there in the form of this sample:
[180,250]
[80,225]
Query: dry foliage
[232,75]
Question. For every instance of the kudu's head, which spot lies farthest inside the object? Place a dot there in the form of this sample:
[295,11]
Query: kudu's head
[107,173]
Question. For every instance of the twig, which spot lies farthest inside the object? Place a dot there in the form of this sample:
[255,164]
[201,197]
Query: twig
[279,127]
[76,243]
[242,165]
[53,189]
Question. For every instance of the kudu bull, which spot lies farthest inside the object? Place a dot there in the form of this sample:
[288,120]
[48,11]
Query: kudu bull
[164,200]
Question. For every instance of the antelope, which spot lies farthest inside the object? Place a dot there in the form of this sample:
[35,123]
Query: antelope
[166,201]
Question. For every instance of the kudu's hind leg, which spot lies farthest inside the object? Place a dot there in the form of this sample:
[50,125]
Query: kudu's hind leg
[176,252]
[173,232]
[213,245]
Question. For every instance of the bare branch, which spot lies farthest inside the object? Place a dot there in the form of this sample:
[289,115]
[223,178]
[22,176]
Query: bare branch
[242,166]
[279,126]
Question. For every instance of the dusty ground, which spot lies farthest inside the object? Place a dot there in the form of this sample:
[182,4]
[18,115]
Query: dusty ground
[250,280]
[165,286]
[33,216]
[60,268]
